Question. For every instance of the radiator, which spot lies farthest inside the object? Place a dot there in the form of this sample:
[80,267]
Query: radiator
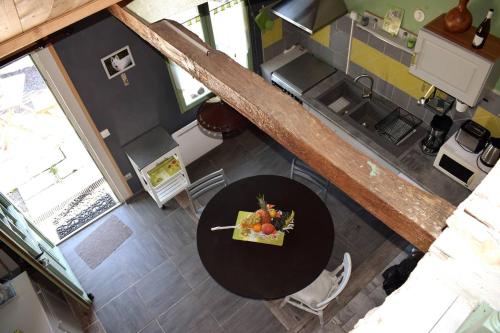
[195,141]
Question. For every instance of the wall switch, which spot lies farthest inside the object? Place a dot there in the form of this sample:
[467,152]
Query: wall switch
[128,176]
[105,133]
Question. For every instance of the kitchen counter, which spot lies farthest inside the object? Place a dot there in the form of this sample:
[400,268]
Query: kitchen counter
[412,164]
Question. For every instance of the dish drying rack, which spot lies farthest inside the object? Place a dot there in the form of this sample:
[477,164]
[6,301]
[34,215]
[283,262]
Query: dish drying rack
[398,125]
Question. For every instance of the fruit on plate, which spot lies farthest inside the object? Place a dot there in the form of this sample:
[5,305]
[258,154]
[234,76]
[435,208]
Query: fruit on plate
[257,227]
[250,221]
[263,212]
[268,228]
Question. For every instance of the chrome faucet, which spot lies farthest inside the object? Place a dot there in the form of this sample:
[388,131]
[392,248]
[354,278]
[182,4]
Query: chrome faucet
[369,93]
[427,95]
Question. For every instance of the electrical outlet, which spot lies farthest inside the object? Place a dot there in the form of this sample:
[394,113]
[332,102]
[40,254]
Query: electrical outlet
[105,133]
[128,176]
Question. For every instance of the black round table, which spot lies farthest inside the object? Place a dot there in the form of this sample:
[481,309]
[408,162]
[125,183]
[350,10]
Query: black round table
[262,271]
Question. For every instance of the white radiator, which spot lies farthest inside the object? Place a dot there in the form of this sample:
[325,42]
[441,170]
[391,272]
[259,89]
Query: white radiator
[195,142]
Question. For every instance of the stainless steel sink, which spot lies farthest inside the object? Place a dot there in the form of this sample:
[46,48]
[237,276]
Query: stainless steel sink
[342,97]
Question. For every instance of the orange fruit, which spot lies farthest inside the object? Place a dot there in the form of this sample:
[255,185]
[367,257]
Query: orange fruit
[257,227]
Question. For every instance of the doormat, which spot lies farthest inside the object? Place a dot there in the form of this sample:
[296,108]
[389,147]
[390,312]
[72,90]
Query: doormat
[103,241]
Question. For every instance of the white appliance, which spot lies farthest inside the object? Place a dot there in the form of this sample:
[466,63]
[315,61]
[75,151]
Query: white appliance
[195,141]
[460,165]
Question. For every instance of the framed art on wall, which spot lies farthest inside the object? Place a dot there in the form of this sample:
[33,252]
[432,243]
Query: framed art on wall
[118,62]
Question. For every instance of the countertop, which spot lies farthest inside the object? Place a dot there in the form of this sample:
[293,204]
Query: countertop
[412,163]
[148,147]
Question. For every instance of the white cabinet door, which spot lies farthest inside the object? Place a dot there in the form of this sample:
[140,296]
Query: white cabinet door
[453,69]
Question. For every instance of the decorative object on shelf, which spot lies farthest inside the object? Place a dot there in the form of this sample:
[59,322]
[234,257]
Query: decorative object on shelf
[392,20]
[267,225]
[263,20]
[419,15]
[217,116]
[374,27]
[482,31]
[410,42]
[458,19]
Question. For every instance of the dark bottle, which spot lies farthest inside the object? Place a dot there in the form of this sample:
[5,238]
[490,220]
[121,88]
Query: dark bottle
[482,31]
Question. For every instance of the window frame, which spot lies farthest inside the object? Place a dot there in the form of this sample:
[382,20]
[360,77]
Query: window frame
[208,35]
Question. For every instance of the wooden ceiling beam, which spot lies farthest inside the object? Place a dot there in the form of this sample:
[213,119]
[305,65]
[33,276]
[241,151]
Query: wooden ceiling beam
[24,26]
[414,214]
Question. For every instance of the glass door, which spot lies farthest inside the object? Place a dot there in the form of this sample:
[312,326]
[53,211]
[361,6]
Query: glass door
[17,232]
[48,172]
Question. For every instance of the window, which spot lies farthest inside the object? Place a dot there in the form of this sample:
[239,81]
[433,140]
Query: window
[223,25]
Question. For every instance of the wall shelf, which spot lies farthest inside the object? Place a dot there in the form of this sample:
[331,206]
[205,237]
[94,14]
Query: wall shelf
[374,27]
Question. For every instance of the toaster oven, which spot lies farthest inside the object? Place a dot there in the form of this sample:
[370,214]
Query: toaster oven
[460,165]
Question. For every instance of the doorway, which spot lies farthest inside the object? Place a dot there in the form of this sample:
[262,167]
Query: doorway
[45,168]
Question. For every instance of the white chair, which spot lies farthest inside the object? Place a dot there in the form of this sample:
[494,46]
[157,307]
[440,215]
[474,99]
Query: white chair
[203,185]
[304,171]
[316,297]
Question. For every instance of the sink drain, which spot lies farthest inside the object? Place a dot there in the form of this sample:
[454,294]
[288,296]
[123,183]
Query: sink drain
[339,104]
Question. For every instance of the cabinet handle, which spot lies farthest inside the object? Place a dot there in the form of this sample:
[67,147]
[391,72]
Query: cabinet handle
[413,59]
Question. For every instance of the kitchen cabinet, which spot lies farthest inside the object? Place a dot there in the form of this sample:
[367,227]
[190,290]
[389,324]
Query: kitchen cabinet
[449,62]
[157,161]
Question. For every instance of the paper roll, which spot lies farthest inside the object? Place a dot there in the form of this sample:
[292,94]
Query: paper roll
[461,106]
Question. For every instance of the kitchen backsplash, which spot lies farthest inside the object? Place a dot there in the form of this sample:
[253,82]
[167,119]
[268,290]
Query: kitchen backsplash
[370,55]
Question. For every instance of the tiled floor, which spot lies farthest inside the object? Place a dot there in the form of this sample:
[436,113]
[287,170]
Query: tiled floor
[155,282]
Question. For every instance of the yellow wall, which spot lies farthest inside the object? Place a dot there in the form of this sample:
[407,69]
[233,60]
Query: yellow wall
[274,35]
[386,68]
[488,120]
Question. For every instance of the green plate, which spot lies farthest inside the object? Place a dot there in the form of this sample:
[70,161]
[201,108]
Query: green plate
[257,237]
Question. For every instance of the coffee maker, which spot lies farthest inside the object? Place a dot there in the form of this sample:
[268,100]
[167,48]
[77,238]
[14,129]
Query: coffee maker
[440,125]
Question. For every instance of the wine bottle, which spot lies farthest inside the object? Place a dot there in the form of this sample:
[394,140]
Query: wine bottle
[482,31]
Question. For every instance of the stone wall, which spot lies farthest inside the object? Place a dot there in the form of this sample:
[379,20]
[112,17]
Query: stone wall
[460,272]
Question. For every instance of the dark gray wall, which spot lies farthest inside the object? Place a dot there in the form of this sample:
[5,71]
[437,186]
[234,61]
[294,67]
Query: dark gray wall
[127,111]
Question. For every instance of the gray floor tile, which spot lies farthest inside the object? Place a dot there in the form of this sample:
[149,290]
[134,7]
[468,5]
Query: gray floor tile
[189,316]
[254,317]
[175,232]
[147,210]
[221,303]
[153,327]
[96,327]
[200,168]
[125,305]
[125,314]
[189,264]
[162,288]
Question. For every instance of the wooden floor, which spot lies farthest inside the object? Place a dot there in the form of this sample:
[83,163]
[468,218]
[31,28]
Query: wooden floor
[155,282]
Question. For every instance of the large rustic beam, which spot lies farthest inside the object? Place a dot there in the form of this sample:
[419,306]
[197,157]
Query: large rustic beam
[414,214]
[25,22]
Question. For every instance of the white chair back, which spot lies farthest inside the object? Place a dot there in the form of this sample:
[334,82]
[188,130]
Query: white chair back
[343,273]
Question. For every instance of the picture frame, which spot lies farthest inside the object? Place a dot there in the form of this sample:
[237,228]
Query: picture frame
[392,20]
[118,62]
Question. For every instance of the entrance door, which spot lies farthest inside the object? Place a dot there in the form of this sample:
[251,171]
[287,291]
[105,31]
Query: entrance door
[17,233]
[47,171]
